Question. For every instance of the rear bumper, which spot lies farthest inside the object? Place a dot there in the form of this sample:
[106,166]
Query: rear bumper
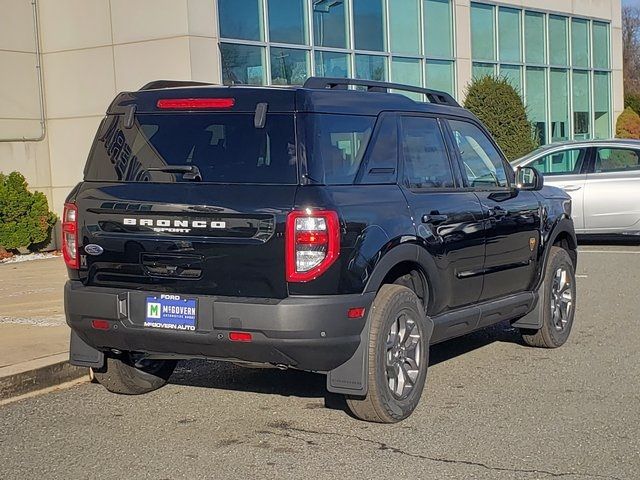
[309,333]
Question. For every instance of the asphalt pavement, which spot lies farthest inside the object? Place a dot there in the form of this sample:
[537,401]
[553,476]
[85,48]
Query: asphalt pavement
[492,409]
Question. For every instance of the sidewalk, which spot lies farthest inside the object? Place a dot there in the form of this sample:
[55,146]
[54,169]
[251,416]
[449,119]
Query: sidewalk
[34,338]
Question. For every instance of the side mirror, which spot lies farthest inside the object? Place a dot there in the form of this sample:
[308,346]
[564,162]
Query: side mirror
[528,178]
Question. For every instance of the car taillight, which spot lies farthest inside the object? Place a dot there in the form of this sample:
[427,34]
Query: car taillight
[312,244]
[70,236]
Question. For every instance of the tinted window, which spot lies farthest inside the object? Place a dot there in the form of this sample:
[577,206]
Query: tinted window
[240,19]
[226,148]
[483,165]
[382,161]
[287,21]
[616,159]
[426,164]
[335,146]
[565,162]
[368,21]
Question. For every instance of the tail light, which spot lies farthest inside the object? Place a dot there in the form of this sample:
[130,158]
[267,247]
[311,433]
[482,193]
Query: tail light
[194,103]
[312,244]
[70,236]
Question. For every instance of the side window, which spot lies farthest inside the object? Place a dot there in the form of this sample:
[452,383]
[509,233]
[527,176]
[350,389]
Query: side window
[482,163]
[426,163]
[382,161]
[567,162]
[616,160]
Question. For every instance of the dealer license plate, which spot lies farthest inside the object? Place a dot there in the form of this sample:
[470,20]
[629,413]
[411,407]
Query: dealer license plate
[171,312]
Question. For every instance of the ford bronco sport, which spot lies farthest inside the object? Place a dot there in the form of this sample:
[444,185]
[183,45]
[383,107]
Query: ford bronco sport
[325,228]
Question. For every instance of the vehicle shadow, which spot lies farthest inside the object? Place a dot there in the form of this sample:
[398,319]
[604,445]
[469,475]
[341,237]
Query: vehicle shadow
[271,381]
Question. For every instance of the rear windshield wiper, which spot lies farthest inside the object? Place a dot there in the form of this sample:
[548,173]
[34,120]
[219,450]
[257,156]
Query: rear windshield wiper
[189,172]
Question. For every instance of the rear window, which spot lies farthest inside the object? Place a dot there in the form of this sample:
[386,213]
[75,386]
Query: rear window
[335,146]
[225,148]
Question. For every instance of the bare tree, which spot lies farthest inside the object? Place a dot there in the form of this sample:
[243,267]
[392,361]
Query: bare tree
[631,49]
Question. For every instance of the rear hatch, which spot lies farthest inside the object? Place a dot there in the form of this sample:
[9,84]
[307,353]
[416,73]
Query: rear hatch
[188,196]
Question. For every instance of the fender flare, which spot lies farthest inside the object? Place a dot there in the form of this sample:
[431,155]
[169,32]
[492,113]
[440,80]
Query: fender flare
[406,252]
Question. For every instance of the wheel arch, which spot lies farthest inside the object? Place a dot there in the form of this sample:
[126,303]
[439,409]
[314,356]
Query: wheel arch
[406,265]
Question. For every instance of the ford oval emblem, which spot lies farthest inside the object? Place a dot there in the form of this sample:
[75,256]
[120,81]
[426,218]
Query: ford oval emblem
[93,249]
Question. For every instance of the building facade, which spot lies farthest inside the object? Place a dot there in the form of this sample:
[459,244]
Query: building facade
[64,60]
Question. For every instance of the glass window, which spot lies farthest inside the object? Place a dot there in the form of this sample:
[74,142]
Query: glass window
[368,24]
[483,32]
[371,67]
[330,24]
[481,70]
[438,28]
[567,162]
[242,64]
[382,162]
[404,26]
[600,45]
[240,19]
[439,75]
[559,92]
[288,21]
[581,105]
[483,165]
[580,42]
[509,34]
[558,40]
[602,104]
[409,72]
[336,145]
[332,64]
[426,163]
[534,40]
[513,73]
[289,66]
[226,148]
[617,159]
[536,101]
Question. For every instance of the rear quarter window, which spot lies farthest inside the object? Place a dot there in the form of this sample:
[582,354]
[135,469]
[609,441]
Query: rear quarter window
[335,146]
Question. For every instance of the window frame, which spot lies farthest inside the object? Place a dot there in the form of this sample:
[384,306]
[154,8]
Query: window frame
[402,179]
[509,173]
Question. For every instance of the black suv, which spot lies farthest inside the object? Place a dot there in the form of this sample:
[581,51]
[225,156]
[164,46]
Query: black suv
[335,227]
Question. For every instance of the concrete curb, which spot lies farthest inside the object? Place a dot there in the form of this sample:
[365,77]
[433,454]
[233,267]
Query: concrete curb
[45,372]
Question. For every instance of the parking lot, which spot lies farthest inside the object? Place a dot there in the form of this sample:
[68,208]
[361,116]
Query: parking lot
[492,409]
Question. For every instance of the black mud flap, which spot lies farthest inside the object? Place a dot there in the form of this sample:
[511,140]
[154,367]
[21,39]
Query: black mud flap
[350,378]
[533,319]
[83,355]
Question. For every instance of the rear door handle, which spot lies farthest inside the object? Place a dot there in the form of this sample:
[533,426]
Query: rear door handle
[434,218]
[571,188]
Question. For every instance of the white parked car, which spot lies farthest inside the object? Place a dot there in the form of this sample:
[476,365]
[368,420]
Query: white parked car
[603,179]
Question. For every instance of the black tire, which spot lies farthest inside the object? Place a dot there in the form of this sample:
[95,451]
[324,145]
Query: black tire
[554,332]
[120,375]
[380,404]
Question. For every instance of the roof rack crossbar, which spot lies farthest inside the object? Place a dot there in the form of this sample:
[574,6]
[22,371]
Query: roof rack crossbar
[157,84]
[434,96]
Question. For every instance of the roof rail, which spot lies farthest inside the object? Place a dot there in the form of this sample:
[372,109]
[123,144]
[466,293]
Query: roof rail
[434,96]
[156,84]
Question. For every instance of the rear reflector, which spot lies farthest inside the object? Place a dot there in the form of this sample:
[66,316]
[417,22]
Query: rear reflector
[240,336]
[357,312]
[100,324]
[194,103]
